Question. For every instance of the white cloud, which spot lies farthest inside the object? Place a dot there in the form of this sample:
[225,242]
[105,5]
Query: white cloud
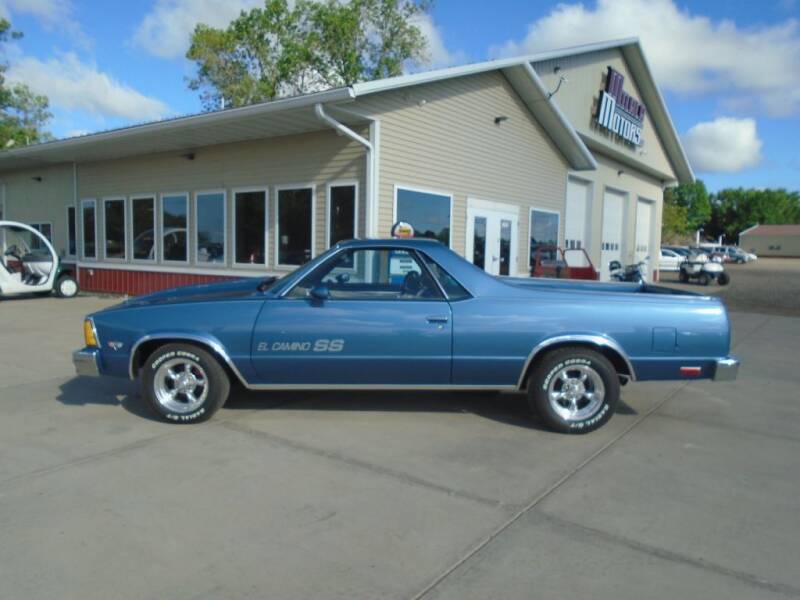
[166,30]
[72,84]
[53,15]
[724,145]
[438,54]
[689,53]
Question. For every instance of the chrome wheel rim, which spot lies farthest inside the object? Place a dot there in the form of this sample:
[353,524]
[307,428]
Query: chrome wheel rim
[180,385]
[576,392]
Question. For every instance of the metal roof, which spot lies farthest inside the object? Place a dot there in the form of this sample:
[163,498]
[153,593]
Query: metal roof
[772,230]
[295,115]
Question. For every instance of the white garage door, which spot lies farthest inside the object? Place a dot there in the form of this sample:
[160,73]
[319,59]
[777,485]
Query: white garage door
[576,226]
[611,247]
[644,229]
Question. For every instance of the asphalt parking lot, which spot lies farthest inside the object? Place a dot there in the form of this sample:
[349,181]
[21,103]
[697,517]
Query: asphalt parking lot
[691,491]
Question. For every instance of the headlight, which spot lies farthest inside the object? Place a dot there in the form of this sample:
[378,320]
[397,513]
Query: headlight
[89,335]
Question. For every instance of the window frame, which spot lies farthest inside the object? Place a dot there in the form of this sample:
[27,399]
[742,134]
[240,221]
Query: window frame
[328,202]
[278,190]
[442,295]
[67,253]
[161,196]
[106,200]
[267,222]
[533,209]
[37,225]
[154,198]
[411,188]
[194,251]
[83,203]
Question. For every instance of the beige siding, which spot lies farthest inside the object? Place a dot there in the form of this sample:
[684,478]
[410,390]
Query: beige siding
[309,159]
[442,137]
[578,99]
[772,245]
[29,200]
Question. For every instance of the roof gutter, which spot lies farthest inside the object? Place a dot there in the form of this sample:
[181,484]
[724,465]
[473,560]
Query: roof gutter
[372,167]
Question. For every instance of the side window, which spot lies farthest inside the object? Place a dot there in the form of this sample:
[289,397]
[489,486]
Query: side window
[371,274]
[454,290]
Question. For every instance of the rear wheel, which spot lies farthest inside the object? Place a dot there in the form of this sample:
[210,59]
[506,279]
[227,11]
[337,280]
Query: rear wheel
[704,279]
[66,287]
[574,390]
[182,383]
[723,279]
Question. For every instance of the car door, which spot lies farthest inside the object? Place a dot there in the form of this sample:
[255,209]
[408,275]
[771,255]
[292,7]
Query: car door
[369,317]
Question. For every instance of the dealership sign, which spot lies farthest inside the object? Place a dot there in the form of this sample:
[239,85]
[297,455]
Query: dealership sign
[619,112]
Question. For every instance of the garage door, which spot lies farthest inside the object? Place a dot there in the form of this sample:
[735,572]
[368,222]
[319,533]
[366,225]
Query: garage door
[644,229]
[576,225]
[611,247]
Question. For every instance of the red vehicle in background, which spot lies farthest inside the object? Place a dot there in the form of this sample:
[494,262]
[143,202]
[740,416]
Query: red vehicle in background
[555,262]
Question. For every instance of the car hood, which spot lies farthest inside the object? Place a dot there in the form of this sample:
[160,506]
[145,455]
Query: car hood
[225,290]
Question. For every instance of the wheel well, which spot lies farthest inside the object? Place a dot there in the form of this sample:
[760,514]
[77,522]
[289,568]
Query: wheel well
[614,357]
[145,349]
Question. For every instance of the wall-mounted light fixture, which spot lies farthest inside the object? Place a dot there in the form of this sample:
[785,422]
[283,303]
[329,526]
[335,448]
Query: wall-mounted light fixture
[500,119]
[188,156]
[620,173]
[37,178]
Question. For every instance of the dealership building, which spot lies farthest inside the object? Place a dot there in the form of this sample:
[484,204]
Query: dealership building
[572,147]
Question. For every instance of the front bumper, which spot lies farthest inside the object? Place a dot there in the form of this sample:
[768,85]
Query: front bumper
[727,369]
[87,362]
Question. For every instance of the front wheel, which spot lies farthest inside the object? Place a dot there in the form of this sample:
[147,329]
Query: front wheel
[182,383]
[704,279]
[723,279]
[574,390]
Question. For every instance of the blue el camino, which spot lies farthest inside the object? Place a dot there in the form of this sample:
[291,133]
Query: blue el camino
[410,315]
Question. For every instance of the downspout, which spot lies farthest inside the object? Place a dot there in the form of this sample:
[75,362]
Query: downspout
[75,204]
[372,168]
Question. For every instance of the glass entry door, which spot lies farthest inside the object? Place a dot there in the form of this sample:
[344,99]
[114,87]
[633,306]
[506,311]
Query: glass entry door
[492,240]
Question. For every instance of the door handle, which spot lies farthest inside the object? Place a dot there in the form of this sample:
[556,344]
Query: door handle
[438,319]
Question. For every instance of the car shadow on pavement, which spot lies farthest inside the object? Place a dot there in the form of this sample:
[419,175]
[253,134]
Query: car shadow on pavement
[506,408]
[82,391]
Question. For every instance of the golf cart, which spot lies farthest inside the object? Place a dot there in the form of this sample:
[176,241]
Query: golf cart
[29,264]
[698,267]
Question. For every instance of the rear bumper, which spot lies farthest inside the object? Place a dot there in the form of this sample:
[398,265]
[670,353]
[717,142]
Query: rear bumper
[87,362]
[727,369]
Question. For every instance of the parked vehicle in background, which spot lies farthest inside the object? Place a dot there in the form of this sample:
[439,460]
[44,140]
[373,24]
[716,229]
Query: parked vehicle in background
[670,260]
[29,264]
[556,262]
[636,273]
[408,314]
[699,267]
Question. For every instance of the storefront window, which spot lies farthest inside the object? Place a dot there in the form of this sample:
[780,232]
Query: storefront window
[72,241]
[428,213]
[89,232]
[173,228]
[46,229]
[342,213]
[295,222]
[144,227]
[250,209]
[114,213]
[544,233]
[210,227]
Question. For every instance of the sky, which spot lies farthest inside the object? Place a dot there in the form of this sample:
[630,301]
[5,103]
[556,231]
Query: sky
[729,70]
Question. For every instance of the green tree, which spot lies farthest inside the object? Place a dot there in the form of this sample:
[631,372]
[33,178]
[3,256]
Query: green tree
[280,50]
[23,114]
[674,225]
[694,198]
[734,210]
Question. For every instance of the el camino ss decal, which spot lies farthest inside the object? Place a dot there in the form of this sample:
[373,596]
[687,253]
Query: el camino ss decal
[321,345]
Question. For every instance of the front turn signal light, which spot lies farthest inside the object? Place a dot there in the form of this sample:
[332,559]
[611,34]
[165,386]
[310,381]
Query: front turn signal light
[88,334]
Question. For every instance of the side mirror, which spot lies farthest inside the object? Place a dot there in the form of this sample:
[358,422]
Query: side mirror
[320,292]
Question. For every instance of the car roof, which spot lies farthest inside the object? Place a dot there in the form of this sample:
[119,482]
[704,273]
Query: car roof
[396,242]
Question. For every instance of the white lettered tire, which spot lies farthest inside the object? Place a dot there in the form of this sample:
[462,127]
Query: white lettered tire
[66,287]
[573,390]
[182,383]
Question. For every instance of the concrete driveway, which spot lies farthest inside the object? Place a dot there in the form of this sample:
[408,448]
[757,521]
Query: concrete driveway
[691,491]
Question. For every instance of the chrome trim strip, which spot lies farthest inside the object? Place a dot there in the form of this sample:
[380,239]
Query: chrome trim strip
[85,362]
[212,343]
[727,369]
[595,340]
[377,387]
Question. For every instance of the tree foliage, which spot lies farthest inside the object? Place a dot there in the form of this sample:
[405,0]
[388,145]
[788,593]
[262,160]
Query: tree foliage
[281,50]
[728,212]
[23,114]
